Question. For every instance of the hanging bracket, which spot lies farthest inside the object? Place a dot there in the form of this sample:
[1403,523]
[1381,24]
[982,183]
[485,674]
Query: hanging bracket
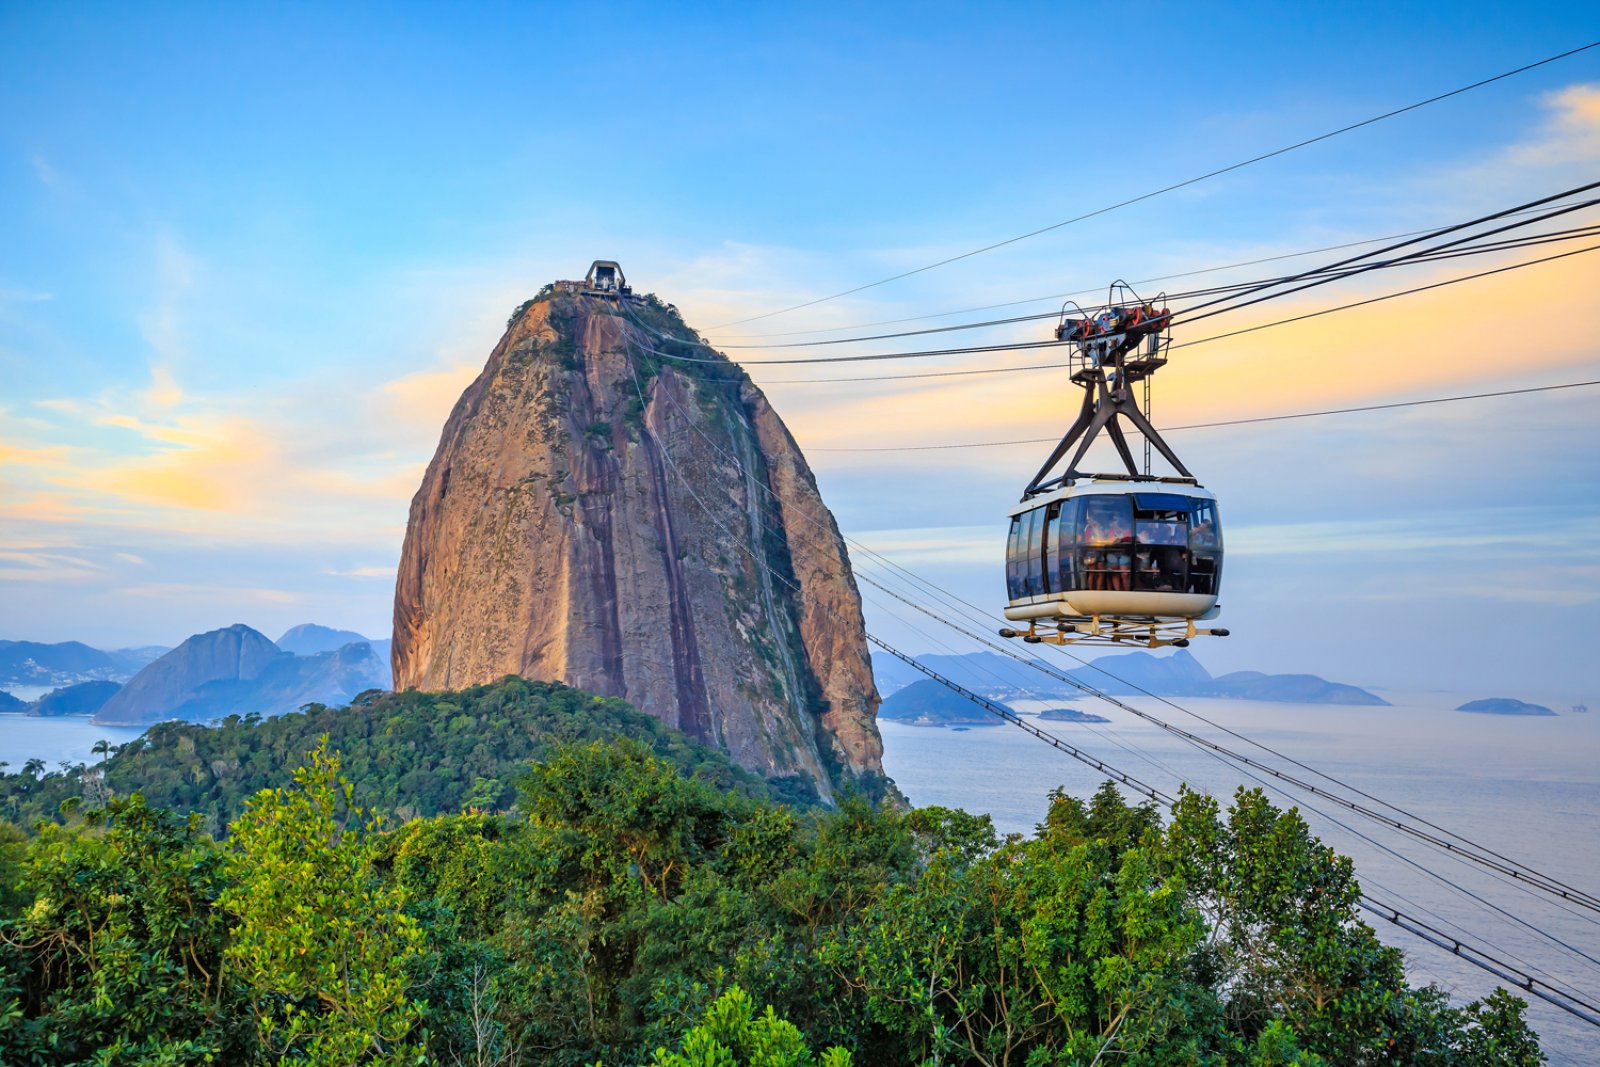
[1114,348]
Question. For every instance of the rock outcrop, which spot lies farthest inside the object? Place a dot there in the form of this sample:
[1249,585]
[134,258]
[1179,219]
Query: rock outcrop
[644,528]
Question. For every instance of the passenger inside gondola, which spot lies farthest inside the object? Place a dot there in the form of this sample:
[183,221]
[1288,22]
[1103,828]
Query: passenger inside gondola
[1107,537]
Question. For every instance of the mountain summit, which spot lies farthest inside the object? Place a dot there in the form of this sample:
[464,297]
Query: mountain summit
[640,527]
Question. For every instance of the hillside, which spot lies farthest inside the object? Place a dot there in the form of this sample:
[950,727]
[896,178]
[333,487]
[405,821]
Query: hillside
[85,698]
[409,754]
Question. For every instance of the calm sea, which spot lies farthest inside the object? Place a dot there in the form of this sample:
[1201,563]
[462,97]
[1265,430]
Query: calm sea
[1525,787]
[1528,788]
[57,739]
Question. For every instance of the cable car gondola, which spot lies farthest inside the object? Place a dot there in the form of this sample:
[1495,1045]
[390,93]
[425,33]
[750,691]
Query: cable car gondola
[1120,558]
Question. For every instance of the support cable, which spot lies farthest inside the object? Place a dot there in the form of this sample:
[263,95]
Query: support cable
[1473,854]
[1231,422]
[1360,261]
[1324,274]
[1566,1001]
[1023,346]
[1058,297]
[1170,188]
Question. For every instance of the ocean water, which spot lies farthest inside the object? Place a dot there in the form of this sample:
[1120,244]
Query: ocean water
[55,739]
[1526,787]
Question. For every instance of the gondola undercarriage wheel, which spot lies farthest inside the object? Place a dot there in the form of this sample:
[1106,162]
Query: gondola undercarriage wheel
[1104,630]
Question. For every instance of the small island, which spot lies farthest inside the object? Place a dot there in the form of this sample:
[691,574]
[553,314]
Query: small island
[1070,715]
[1504,706]
[931,703]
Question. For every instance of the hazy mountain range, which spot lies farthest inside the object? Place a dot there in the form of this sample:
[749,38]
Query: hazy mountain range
[234,670]
[32,663]
[996,676]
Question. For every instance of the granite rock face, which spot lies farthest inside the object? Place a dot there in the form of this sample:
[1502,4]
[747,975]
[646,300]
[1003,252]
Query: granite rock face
[595,515]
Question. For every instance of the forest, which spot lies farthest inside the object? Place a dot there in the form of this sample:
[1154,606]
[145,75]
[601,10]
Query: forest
[408,754]
[614,894]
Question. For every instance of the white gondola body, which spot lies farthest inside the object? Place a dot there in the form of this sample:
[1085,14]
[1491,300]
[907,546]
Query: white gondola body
[1112,548]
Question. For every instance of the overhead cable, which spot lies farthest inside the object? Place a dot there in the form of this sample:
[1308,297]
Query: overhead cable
[1563,999]
[1421,256]
[1333,272]
[1169,188]
[1177,344]
[1222,422]
[1057,297]
[1493,861]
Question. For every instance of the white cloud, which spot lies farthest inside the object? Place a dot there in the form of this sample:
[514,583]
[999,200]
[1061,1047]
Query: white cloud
[360,572]
[929,545]
[39,565]
[44,171]
[185,592]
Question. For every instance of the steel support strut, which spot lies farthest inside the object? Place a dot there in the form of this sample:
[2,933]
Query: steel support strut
[1107,376]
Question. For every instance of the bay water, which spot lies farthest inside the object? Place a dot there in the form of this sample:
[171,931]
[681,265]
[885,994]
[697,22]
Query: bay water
[56,739]
[1526,787]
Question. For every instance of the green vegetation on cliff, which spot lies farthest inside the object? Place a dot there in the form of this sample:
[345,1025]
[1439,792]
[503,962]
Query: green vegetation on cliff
[632,912]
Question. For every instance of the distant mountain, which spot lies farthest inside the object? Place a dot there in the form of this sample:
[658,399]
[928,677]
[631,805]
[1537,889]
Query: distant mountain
[11,703]
[997,676]
[380,649]
[33,663]
[931,703]
[1292,689]
[237,671]
[308,639]
[1504,706]
[988,673]
[1180,674]
[893,674]
[69,662]
[234,653]
[130,661]
[85,698]
[287,683]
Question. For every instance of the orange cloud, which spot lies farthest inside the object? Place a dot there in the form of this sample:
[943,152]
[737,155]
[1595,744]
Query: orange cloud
[424,399]
[1531,323]
[208,465]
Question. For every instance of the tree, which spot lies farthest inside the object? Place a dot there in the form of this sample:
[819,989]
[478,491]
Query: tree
[1056,950]
[1287,946]
[115,952]
[321,941]
[731,1034]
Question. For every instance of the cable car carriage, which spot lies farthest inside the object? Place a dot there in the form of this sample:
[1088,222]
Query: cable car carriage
[1125,558]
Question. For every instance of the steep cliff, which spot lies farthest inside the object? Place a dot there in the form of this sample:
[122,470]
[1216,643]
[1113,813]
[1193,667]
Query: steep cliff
[642,528]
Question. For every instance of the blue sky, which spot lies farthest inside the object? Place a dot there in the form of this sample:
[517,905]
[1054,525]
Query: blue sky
[253,254]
